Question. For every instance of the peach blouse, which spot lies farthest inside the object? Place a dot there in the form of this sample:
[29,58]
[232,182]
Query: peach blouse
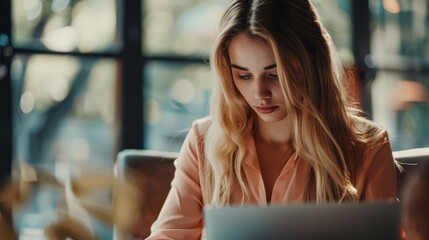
[181,216]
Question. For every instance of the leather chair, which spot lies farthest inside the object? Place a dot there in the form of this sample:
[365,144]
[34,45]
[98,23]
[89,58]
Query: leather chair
[410,161]
[153,171]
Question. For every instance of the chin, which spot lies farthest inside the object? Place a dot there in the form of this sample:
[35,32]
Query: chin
[271,119]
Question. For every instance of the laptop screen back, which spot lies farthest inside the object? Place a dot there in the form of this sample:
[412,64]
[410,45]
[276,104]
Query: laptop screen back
[376,220]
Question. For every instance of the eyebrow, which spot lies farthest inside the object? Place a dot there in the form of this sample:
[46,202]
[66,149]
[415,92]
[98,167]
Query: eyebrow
[246,69]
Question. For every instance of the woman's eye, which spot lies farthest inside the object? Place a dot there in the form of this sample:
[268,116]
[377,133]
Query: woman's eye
[244,76]
[273,76]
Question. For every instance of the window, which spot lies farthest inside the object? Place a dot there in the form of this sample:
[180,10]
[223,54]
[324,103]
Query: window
[64,78]
[177,36]
[399,47]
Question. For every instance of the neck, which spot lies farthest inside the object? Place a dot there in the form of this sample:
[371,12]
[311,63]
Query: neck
[273,133]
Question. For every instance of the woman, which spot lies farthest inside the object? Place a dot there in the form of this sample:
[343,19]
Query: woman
[281,129]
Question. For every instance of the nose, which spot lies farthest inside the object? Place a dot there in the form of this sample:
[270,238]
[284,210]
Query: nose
[262,90]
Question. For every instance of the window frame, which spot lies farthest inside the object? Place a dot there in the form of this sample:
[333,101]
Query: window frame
[5,99]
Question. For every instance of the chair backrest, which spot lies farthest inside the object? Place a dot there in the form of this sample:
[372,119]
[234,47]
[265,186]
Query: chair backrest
[410,160]
[152,172]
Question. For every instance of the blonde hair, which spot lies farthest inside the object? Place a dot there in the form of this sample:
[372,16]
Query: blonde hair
[328,130]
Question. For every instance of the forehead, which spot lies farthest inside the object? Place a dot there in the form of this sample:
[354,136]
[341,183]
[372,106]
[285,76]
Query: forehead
[250,52]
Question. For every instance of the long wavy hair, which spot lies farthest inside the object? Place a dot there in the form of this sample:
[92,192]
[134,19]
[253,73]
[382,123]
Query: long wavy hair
[328,130]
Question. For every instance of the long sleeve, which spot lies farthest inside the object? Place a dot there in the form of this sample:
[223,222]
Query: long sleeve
[181,215]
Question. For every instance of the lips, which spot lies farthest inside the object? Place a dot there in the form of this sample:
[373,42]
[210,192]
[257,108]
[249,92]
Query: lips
[266,109]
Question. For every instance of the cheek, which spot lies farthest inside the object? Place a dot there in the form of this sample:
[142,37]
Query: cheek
[243,90]
[276,90]
[238,87]
[279,94]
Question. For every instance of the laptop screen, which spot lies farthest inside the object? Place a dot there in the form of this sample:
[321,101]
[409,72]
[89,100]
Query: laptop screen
[369,220]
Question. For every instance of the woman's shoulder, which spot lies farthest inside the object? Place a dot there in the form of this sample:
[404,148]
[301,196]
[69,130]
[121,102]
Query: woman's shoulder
[371,133]
[202,122]
[201,125]
[374,140]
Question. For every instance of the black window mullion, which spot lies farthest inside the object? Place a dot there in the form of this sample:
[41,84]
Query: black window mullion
[361,50]
[131,99]
[5,92]
[20,50]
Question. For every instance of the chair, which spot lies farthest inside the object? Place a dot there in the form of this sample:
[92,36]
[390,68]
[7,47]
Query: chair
[155,170]
[410,160]
[152,172]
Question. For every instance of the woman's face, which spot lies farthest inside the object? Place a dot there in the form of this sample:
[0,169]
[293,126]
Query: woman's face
[255,74]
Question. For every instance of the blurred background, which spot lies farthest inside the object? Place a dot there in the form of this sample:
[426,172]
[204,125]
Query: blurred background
[81,80]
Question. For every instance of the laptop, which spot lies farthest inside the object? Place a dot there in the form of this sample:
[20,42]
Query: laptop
[368,220]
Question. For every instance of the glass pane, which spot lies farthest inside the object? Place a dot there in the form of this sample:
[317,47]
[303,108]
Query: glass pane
[64,116]
[399,31]
[174,96]
[335,15]
[180,27]
[66,25]
[188,27]
[401,104]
